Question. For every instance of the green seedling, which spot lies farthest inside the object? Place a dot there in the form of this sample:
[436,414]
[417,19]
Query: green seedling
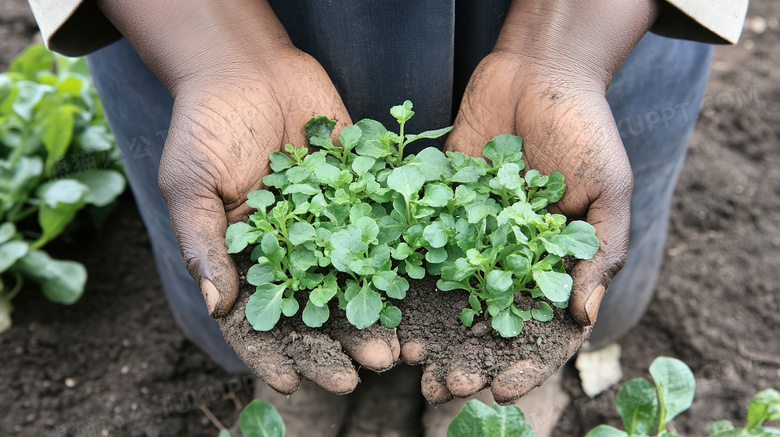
[52,133]
[351,222]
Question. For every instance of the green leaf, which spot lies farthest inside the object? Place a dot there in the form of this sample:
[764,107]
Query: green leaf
[363,310]
[714,428]
[289,306]
[436,234]
[498,281]
[349,137]
[518,264]
[578,238]
[239,235]
[259,275]
[315,316]
[301,188]
[33,59]
[509,176]
[300,232]
[406,180]
[675,384]
[504,148]
[467,317]
[478,420]
[11,252]
[224,433]
[436,256]
[436,195]
[432,163]
[260,419]
[7,231]
[362,164]
[637,404]
[390,316]
[54,220]
[765,406]
[555,286]
[321,295]
[279,161]
[544,313]
[104,186]
[403,112]
[392,284]
[264,307]
[318,129]
[553,191]
[606,431]
[429,134]
[61,281]
[507,323]
[96,138]
[56,129]
[260,199]
[63,191]
[29,95]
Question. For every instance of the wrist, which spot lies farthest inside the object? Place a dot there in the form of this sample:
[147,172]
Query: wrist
[195,41]
[586,41]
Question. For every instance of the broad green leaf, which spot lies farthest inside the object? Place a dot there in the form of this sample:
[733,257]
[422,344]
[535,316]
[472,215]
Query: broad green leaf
[63,191]
[349,137]
[371,129]
[637,404]
[436,234]
[406,180]
[279,161]
[260,419]
[363,310]
[510,422]
[713,428]
[544,313]
[436,256]
[301,188]
[259,275]
[320,296]
[414,270]
[467,317]
[224,433]
[56,129]
[429,134]
[362,164]
[104,186]
[509,176]
[289,306]
[298,174]
[239,235]
[477,211]
[318,129]
[260,199]
[29,94]
[54,220]
[390,316]
[553,190]
[478,420]
[432,163]
[555,286]
[504,148]
[61,281]
[314,316]
[300,232]
[507,323]
[31,60]
[606,431]
[392,284]
[675,384]
[264,307]
[11,252]
[498,281]
[517,264]
[436,195]
[578,239]
[449,285]
[369,230]
[96,138]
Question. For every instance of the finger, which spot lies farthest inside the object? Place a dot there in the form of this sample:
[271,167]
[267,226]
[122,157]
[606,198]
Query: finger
[434,390]
[414,352]
[335,374]
[462,384]
[375,347]
[199,224]
[610,214]
[516,380]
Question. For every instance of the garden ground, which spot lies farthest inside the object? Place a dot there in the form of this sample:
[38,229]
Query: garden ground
[116,364]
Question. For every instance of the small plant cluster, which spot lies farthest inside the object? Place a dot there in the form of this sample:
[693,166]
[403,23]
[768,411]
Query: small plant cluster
[351,222]
[49,119]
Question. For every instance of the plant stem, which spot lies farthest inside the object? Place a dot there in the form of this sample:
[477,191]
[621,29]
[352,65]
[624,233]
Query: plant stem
[18,286]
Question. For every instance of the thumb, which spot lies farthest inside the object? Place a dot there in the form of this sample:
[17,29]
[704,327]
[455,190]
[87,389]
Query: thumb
[199,224]
[611,216]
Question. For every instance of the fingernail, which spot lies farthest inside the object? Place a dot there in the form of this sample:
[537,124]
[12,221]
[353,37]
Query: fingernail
[593,302]
[210,294]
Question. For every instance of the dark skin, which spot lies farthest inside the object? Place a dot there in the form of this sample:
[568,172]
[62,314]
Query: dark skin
[241,90]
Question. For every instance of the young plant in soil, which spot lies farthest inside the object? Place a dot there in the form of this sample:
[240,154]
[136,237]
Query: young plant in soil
[352,221]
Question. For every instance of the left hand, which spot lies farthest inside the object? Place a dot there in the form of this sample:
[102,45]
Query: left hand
[552,93]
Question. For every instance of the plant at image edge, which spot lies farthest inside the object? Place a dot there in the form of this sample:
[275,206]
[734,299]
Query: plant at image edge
[49,116]
[349,222]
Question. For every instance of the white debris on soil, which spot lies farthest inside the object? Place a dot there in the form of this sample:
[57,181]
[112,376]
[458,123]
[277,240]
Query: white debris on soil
[599,370]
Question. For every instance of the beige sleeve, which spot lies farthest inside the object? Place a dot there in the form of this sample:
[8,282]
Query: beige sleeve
[73,27]
[77,27]
[711,21]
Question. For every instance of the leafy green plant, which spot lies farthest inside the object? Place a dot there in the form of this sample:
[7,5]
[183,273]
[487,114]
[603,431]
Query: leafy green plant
[351,222]
[258,419]
[52,136]
[644,406]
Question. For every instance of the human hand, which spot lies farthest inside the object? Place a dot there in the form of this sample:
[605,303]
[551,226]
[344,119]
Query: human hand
[546,81]
[241,91]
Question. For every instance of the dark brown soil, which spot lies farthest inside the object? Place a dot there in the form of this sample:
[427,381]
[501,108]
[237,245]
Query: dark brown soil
[116,364]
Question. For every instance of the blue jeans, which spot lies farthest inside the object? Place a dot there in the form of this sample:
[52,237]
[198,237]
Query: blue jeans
[378,54]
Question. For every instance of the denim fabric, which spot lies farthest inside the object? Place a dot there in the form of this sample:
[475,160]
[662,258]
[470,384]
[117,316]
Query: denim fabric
[379,53]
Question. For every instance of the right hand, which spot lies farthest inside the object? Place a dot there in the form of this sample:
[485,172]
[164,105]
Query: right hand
[222,131]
